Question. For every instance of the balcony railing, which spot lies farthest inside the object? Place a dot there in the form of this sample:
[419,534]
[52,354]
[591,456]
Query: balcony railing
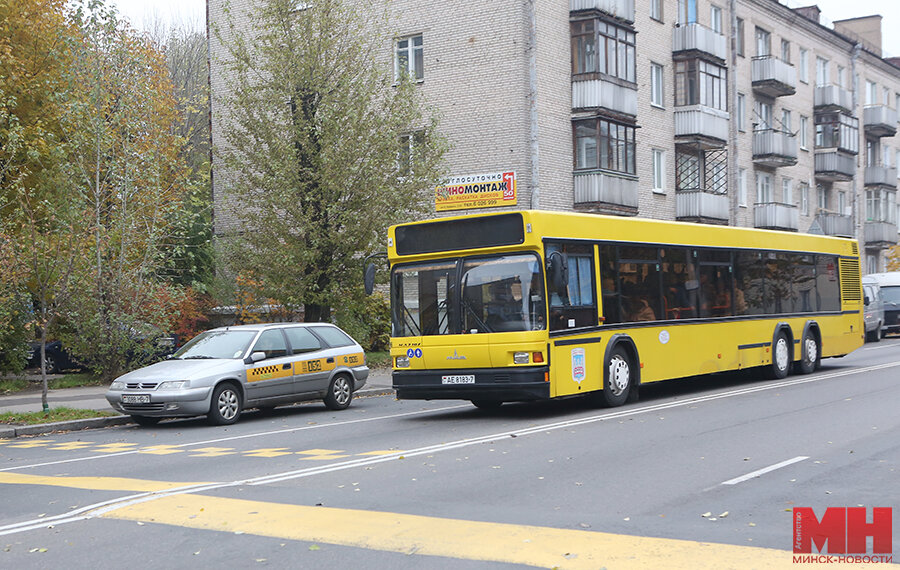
[880,121]
[698,38]
[597,93]
[776,216]
[834,97]
[833,224]
[773,77]
[606,192]
[623,9]
[700,206]
[835,165]
[774,148]
[880,234]
[881,176]
[698,123]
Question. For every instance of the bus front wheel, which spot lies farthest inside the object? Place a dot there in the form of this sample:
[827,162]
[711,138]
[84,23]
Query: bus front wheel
[617,382]
[781,358]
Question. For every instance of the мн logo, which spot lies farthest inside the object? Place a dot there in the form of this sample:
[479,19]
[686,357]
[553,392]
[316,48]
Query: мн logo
[843,531]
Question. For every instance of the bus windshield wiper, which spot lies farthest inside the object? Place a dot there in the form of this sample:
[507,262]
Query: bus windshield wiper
[481,324]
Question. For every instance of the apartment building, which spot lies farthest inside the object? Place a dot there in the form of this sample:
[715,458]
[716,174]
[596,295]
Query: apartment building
[741,112]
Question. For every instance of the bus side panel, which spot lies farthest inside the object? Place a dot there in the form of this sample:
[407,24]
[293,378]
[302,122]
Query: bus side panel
[841,334]
[577,365]
[684,350]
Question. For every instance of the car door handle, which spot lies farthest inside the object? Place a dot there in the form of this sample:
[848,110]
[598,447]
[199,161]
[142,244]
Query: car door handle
[286,366]
[330,360]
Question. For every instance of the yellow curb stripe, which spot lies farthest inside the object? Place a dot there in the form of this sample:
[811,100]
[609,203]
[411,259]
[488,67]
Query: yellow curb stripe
[472,540]
[91,483]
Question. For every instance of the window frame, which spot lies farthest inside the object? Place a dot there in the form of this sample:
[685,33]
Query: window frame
[414,56]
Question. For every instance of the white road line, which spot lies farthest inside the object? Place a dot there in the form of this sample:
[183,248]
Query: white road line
[764,470]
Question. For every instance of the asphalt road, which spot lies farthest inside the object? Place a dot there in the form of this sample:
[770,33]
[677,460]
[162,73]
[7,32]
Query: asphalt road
[701,473]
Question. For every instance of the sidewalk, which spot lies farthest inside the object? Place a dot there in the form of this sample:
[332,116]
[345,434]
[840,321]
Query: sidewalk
[92,398]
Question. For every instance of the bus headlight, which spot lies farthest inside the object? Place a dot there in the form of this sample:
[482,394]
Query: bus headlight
[520,358]
[402,362]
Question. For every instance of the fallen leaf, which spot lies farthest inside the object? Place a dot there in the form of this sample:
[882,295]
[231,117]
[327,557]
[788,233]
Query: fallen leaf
[723,515]
[314,547]
[706,514]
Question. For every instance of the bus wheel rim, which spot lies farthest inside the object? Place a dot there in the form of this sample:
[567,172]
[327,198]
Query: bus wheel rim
[812,351]
[619,375]
[781,354]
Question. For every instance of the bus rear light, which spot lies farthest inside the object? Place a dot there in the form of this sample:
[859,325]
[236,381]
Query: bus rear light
[402,362]
[520,357]
[537,357]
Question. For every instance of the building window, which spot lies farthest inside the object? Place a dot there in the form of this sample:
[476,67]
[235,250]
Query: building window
[656,10]
[822,72]
[604,144]
[871,93]
[701,170]
[804,129]
[658,157]
[763,188]
[786,121]
[687,11]
[763,42]
[700,83]
[871,264]
[804,66]
[885,96]
[409,145]
[742,187]
[837,130]
[409,59]
[787,191]
[763,116]
[842,203]
[873,206]
[741,112]
[785,51]
[739,40]
[821,197]
[599,47]
[804,198]
[886,153]
[715,19]
[657,81]
[842,76]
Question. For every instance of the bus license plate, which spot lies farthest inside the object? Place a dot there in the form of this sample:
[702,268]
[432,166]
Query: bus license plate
[458,379]
[135,398]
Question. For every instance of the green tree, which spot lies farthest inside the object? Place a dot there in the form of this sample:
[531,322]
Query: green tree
[314,124]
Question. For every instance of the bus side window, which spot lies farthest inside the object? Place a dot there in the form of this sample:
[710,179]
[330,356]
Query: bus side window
[639,274]
[679,283]
[609,285]
[576,306]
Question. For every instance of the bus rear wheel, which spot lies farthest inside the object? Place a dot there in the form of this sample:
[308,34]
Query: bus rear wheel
[781,358]
[619,378]
[809,355]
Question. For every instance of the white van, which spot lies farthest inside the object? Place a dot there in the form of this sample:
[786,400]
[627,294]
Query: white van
[890,294]
[874,309]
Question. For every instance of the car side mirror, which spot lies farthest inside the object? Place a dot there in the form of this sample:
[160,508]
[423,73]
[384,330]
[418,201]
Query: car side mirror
[255,357]
[369,278]
[866,301]
[557,271]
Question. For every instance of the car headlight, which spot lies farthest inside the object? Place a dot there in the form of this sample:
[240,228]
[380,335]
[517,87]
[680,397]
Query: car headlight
[117,385]
[174,385]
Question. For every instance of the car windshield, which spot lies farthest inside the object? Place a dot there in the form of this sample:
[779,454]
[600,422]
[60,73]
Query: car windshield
[217,344]
[891,295]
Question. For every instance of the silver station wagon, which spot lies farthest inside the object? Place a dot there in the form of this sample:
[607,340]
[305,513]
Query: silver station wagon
[223,371]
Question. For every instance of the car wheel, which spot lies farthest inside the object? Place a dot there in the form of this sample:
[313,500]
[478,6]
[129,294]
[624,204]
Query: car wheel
[225,408]
[487,404]
[145,420]
[618,378]
[51,363]
[781,358]
[340,392]
[809,354]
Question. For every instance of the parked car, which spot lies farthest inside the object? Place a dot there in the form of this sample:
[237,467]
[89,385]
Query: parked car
[874,309]
[57,358]
[226,370]
[889,283]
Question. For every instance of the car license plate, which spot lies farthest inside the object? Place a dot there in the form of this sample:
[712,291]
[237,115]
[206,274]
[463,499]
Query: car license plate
[458,379]
[135,398]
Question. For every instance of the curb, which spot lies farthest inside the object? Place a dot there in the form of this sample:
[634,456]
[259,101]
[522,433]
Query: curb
[9,432]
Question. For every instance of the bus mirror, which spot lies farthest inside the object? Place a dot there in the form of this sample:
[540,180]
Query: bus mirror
[557,272]
[369,278]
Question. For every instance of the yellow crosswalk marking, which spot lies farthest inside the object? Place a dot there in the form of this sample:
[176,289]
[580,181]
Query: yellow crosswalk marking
[267,452]
[71,446]
[32,443]
[321,454]
[114,447]
[92,483]
[161,449]
[212,452]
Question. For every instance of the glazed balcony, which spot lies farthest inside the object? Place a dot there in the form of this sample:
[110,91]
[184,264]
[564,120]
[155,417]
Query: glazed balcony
[700,206]
[604,192]
[881,176]
[835,165]
[603,94]
[880,121]
[773,148]
[697,39]
[834,97]
[701,124]
[776,216]
[880,234]
[833,224]
[622,9]
[772,77]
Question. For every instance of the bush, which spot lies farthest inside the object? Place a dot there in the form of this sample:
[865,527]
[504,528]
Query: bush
[367,319]
[13,332]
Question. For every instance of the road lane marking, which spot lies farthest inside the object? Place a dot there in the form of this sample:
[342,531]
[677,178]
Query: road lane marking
[71,446]
[93,483]
[764,470]
[212,452]
[544,547]
[161,449]
[267,452]
[114,447]
[32,443]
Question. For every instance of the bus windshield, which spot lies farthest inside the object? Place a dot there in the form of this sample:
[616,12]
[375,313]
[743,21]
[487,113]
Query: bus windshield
[501,293]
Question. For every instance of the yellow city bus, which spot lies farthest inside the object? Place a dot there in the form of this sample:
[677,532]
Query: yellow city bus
[532,305]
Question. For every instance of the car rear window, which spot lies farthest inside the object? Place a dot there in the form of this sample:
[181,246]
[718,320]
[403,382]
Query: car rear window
[334,336]
[302,340]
